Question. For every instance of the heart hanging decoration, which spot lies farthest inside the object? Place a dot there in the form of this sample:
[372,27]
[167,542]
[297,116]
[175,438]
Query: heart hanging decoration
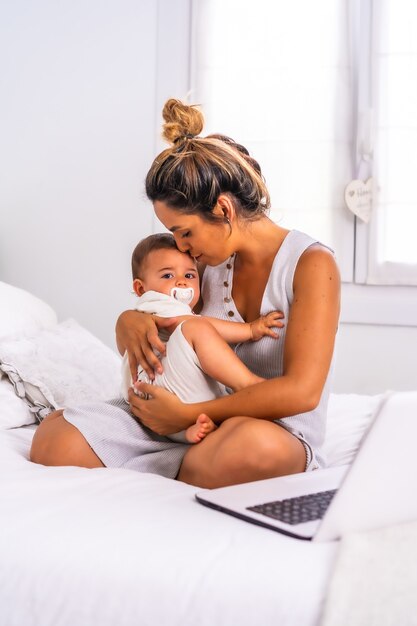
[358,198]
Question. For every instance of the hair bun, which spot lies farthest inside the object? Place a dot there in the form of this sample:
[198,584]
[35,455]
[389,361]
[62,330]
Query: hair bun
[182,121]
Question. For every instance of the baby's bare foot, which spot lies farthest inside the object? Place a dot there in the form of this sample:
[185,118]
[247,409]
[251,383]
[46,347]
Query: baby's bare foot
[203,426]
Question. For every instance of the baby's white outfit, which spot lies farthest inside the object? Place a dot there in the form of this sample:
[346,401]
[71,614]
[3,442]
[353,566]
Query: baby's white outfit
[182,372]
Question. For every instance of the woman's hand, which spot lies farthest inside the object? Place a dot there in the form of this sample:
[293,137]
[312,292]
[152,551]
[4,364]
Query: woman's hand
[137,333]
[162,412]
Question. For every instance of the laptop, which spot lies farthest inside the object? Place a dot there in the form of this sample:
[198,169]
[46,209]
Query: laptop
[378,489]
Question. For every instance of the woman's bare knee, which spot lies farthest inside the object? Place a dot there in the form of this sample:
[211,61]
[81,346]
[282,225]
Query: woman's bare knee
[56,442]
[243,449]
[271,450]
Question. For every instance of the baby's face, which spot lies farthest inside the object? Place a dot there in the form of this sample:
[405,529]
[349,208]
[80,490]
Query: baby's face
[166,269]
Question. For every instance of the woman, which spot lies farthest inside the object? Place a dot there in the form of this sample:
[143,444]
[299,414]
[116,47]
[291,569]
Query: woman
[211,195]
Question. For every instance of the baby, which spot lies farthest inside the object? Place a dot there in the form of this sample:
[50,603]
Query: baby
[199,364]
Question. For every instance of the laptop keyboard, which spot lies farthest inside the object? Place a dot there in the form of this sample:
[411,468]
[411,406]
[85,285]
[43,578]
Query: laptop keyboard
[297,510]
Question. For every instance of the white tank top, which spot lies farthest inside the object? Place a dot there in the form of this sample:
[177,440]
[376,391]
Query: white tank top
[265,357]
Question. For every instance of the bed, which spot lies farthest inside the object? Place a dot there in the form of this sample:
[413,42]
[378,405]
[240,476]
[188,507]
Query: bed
[115,547]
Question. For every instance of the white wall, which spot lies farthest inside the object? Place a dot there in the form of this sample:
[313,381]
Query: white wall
[373,358]
[81,91]
[377,339]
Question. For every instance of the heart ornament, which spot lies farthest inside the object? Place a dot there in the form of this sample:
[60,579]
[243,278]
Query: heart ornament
[358,198]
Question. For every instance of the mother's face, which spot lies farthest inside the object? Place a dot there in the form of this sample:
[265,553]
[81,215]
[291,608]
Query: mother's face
[209,243]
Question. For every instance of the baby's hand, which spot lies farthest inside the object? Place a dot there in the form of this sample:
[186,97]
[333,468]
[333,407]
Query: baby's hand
[262,327]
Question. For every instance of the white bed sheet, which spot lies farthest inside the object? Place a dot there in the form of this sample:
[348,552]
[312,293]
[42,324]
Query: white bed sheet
[115,547]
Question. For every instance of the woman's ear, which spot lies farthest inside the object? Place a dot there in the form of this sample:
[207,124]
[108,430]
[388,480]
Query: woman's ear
[225,207]
[138,287]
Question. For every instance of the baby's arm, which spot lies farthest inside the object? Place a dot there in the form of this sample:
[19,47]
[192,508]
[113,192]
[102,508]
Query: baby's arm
[236,332]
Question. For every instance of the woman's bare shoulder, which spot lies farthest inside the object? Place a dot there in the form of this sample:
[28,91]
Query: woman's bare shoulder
[318,256]
[317,265]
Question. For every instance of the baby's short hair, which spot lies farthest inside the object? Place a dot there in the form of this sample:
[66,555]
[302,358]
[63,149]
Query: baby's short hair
[159,241]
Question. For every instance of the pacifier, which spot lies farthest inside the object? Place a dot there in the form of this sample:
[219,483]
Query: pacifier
[183,294]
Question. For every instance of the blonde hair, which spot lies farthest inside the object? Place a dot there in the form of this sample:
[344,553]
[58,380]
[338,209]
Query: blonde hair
[191,174]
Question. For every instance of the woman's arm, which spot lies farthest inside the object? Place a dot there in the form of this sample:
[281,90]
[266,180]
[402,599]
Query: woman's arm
[309,343]
[137,333]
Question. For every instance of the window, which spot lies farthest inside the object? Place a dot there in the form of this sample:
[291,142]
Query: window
[321,93]
[276,76]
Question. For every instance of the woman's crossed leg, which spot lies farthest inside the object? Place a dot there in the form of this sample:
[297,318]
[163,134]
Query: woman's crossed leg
[242,449]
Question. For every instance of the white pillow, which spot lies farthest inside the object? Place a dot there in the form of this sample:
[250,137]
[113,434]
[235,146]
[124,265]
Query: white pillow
[60,366]
[348,418]
[14,411]
[21,313]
